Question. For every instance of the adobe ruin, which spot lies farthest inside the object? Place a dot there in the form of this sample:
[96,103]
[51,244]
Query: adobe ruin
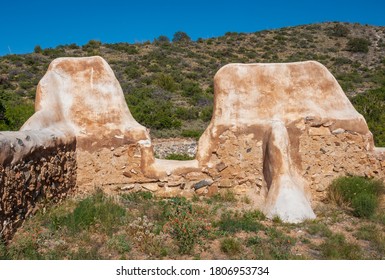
[280,133]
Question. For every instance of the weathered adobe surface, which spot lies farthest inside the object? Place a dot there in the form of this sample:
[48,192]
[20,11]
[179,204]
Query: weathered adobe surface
[279,134]
[35,167]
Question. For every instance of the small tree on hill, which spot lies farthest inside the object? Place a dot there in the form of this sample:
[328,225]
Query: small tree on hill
[358,45]
[162,40]
[38,49]
[181,36]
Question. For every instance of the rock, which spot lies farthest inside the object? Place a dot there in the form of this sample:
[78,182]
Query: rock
[221,166]
[338,131]
[192,176]
[203,183]
[212,190]
[226,183]
[318,131]
[127,174]
[153,187]
[201,191]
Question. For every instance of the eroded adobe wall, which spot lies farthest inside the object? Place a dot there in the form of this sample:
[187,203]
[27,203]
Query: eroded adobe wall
[327,154]
[33,174]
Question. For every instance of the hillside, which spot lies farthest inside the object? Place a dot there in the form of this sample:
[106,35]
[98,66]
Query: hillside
[168,85]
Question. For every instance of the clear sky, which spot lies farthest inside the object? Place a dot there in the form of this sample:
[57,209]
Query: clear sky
[25,24]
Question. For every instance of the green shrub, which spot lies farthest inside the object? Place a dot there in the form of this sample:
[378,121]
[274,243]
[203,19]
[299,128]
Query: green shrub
[231,246]
[358,45]
[234,222]
[179,157]
[96,209]
[372,106]
[276,246]
[364,204]
[166,82]
[337,248]
[185,224]
[137,196]
[190,133]
[339,30]
[360,193]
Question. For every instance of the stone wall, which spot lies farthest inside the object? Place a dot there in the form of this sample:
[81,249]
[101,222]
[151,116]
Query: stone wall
[327,155]
[165,147]
[32,177]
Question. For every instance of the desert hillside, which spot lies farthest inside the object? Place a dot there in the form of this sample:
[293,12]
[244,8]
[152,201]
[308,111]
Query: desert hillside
[168,82]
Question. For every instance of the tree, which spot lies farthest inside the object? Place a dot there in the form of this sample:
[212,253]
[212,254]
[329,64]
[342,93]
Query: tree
[339,30]
[38,49]
[181,36]
[162,39]
[358,45]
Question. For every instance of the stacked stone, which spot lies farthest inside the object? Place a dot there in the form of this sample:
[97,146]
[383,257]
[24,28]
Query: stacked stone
[47,174]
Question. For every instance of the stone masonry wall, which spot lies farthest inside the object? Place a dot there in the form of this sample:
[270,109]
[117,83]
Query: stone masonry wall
[45,174]
[326,157]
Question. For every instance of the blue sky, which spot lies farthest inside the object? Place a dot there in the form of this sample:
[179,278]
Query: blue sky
[25,24]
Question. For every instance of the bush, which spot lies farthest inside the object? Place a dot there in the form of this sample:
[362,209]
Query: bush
[337,248]
[360,193]
[372,106]
[185,224]
[166,82]
[181,36]
[179,157]
[231,246]
[96,209]
[234,222]
[38,49]
[358,45]
[339,30]
[190,133]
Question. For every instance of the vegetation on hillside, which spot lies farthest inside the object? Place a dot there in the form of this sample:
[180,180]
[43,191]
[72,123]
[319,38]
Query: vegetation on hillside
[168,82]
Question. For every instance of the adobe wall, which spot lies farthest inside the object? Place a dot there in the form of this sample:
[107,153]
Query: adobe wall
[34,170]
[280,133]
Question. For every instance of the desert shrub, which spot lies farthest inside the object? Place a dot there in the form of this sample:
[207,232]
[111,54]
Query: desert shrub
[191,133]
[339,30]
[96,209]
[166,82]
[142,232]
[358,45]
[120,243]
[372,106]
[362,194]
[38,49]
[162,39]
[231,246]
[181,37]
[185,224]
[337,248]
[152,108]
[137,196]
[183,113]
[275,246]
[234,222]
[179,157]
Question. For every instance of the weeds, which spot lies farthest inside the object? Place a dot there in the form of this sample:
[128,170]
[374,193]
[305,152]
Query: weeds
[186,225]
[277,245]
[231,246]
[96,210]
[360,193]
[337,248]
[234,222]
